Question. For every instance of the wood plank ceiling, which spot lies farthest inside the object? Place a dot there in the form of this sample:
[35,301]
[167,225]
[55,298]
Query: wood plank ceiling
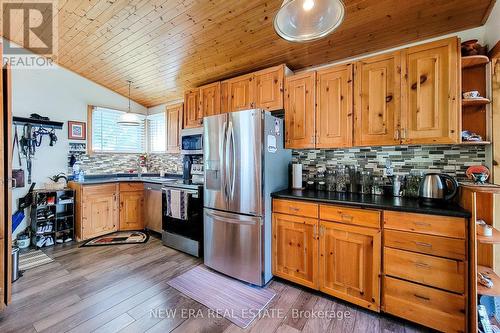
[167,46]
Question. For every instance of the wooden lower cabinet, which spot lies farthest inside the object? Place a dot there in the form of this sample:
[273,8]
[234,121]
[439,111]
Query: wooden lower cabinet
[431,307]
[105,208]
[132,210]
[338,250]
[98,211]
[350,263]
[295,249]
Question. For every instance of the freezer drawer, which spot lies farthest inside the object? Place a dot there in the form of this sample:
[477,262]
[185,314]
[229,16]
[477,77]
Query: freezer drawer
[233,245]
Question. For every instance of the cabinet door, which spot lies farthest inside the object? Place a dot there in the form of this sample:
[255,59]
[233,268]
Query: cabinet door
[99,215]
[334,119]
[269,88]
[350,263]
[300,109]
[210,99]
[174,126]
[132,210]
[295,249]
[431,94]
[241,93]
[192,115]
[378,100]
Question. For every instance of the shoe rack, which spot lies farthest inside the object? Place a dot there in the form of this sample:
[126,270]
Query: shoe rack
[52,217]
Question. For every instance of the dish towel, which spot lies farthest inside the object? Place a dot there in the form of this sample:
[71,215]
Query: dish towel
[177,204]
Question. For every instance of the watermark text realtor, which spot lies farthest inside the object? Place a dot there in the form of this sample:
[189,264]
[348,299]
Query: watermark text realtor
[248,313]
[30,31]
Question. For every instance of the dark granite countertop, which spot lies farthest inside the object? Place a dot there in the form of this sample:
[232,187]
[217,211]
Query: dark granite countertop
[373,201]
[127,177]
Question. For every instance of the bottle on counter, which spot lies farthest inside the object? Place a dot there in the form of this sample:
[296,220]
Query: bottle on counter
[341,184]
[365,184]
[330,178]
[378,186]
[352,179]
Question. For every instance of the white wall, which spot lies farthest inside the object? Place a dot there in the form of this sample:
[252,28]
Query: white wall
[60,95]
[492,26]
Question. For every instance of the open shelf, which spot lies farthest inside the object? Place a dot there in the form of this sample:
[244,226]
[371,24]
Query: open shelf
[495,290]
[475,101]
[476,60]
[493,239]
[475,143]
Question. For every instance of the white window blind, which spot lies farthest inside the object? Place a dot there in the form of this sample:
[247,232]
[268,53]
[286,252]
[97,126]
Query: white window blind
[109,136]
[156,133]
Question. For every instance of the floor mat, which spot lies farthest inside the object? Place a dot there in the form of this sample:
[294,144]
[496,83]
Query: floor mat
[33,258]
[235,300]
[118,238]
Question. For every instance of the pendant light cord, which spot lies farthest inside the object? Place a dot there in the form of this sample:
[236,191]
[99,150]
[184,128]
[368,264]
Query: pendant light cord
[129,82]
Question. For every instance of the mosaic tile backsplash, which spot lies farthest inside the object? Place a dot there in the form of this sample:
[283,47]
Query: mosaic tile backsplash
[123,163]
[451,159]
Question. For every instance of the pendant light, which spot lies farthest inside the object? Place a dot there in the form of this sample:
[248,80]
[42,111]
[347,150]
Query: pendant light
[308,20]
[129,118]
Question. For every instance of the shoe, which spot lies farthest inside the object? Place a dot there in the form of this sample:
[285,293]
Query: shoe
[50,241]
[68,239]
[59,241]
[41,241]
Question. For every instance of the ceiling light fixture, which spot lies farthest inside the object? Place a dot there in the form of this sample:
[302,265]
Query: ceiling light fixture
[129,118]
[308,20]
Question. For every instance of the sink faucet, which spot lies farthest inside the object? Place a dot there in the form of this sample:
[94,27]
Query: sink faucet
[139,168]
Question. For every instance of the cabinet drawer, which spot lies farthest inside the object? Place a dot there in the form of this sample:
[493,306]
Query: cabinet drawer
[293,207]
[428,306]
[362,217]
[426,224]
[432,271]
[134,186]
[101,189]
[438,246]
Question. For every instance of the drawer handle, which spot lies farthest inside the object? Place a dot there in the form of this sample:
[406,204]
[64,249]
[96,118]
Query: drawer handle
[423,244]
[347,217]
[295,209]
[423,224]
[422,264]
[422,297]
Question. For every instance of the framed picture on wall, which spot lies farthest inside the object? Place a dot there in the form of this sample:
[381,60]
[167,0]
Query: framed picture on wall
[77,130]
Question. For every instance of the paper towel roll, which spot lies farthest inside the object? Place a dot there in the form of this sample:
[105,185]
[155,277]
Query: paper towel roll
[297,176]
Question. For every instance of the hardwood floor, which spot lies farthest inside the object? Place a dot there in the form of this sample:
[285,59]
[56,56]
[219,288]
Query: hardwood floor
[117,289]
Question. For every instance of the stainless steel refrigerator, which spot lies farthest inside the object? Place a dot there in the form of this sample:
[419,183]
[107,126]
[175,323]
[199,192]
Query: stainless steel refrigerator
[244,161]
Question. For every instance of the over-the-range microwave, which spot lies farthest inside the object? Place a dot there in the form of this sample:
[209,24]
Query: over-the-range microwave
[192,141]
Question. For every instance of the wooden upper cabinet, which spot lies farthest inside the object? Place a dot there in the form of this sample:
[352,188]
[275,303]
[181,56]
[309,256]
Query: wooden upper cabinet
[269,88]
[334,109]
[210,99]
[192,112]
[300,110]
[431,93]
[241,92]
[174,126]
[377,83]
[349,267]
[295,249]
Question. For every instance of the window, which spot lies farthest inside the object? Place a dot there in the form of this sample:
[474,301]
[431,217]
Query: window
[109,136]
[156,133]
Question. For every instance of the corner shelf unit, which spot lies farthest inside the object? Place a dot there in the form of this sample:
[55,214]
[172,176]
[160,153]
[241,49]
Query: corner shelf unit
[483,202]
[476,113]
[52,216]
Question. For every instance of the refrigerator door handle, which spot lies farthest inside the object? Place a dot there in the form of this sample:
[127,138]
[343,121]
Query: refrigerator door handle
[232,159]
[223,162]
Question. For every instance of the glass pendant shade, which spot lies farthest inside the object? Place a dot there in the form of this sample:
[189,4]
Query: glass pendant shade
[308,20]
[129,119]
